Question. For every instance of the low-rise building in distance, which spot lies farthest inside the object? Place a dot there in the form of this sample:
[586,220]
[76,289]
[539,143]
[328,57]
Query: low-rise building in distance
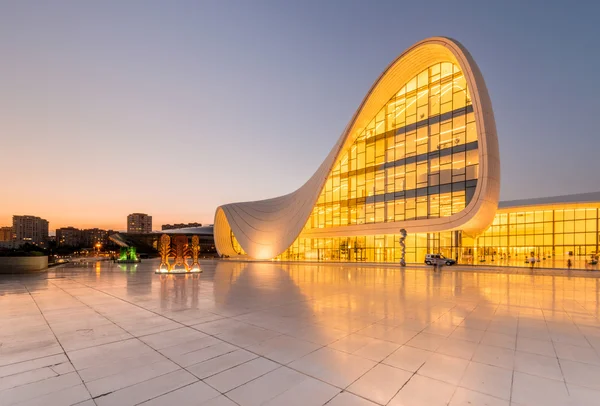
[93,236]
[69,236]
[88,238]
[6,233]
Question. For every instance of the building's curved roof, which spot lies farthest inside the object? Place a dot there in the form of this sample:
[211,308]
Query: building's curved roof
[592,197]
[266,228]
[204,230]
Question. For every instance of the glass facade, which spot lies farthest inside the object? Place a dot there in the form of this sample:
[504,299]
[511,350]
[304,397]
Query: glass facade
[551,234]
[373,248]
[416,159]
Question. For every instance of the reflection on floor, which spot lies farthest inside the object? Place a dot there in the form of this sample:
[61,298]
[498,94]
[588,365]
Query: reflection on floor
[297,334]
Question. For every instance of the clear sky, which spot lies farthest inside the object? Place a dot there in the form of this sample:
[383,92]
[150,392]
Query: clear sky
[174,107]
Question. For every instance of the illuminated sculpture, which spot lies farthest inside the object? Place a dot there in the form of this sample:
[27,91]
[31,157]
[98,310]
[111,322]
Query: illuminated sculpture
[195,250]
[403,247]
[180,252]
[165,248]
[180,243]
[128,255]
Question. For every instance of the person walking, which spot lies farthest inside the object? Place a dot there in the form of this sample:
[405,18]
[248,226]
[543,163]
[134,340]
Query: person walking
[531,261]
[569,263]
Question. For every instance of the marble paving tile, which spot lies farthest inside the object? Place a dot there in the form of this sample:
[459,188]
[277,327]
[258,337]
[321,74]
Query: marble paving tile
[267,387]
[146,390]
[193,394]
[222,362]
[420,390]
[408,358]
[444,368]
[379,337]
[380,384]
[334,367]
[530,390]
[488,379]
[284,349]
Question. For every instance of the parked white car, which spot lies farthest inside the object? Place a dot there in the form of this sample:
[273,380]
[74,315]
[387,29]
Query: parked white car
[438,259]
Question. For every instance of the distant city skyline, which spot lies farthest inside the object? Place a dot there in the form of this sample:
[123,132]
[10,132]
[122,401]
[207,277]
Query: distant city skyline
[172,109]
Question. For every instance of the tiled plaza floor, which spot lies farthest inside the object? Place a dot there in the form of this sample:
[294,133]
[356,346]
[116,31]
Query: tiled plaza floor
[280,334]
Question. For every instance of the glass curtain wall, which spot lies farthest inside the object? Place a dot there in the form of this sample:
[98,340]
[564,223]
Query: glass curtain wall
[551,235]
[416,159]
[373,248]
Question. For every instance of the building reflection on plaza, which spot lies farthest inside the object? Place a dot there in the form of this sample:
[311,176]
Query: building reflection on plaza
[319,321]
[335,294]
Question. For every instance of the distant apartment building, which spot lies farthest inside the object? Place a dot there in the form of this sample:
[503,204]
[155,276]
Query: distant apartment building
[70,236]
[6,233]
[30,229]
[139,223]
[180,225]
[93,236]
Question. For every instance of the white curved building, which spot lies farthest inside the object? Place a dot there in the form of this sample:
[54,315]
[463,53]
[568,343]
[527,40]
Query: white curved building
[420,153]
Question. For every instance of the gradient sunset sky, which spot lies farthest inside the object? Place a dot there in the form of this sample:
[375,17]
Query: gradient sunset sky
[174,107]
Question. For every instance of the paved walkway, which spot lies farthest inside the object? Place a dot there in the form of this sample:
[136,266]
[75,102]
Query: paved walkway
[297,334]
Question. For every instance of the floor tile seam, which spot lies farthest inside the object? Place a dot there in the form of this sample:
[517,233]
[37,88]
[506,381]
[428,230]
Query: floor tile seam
[146,380]
[202,348]
[126,370]
[483,393]
[12,348]
[514,362]
[182,343]
[165,331]
[106,343]
[320,346]
[235,345]
[32,382]
[171,391]
[304,374]
[347,390]
[238,386]
[312,342]
[211,358]
[133,338]
[61,346]
[128,302]
[311,376]
[61,351]
[229,368]
[579,361]
[406,383]
[29,370]
[594,349]
[250,345]
[377,363]
[344,351]
[393,396]
[540,376]
[48,393]
[563,374]
[596,390]
[94,310]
